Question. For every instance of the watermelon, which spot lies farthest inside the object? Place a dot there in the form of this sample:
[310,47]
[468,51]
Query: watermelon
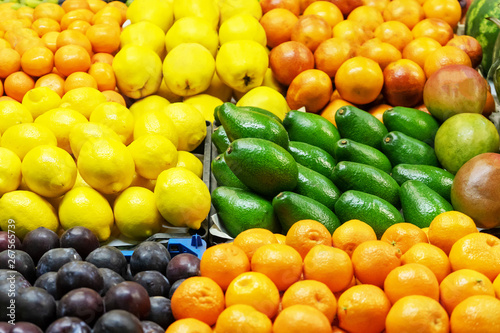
[486,32]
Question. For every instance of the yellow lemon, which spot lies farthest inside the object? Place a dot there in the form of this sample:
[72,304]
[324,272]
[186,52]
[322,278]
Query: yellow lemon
[61,121]
[79,182]
[159,12]
[146,34]
[13,113]
[189,123]
[152,154]
[81,133]
[10,171]
[206,9]
[192,29]
[219,89]
[49,171]
[26,211]
[265,98]
[182,198]
[106,165]
[189,161]
[139,180]
[157,122]
[117,117]
[136,215]
[148,104]
[166,93]
[229,8]
[85,207]
[41,99]
[205,104]
[23,137]
[242,26]
[83,100]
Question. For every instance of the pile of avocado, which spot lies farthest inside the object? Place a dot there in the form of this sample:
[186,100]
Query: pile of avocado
[272,173]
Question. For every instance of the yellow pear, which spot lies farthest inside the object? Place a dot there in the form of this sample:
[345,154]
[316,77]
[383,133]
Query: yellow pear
[271,82]
[266,98]
[242,26]
[242,64]
[192,29]
[229,8]
[159,12]
[146,34]
[219,89]
[137,70]
[206,9]
[165,92]
[188,69]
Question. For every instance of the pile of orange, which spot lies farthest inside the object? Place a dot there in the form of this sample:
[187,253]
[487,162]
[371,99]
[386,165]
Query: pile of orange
[60,47]
[445,278]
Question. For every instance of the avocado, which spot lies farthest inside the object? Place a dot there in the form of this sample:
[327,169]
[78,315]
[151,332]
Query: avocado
[312,157]
[312,129]
[401,148]
[246,108]
[316,186]
[239,210]
[366,178]
[224,175]
[412,122]
[291,207]
[369,208]
[436,178]
[421,204]
[262,165]
[360,126]
[220,139]
[349,150]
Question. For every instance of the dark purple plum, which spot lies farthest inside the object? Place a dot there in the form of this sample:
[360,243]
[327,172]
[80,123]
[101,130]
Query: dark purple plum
[25,327]
[11,283]
[118,321]
[155,283]
[69,325]
[54,259]
[6,240]
[20,261]
[78,274]
[48,282]
[161,312]
[149,256]
[129,296]
[128,275]
[174,287]
[81,239]
[5,327]
[83,303]
[108,257]
[38,241]
[182,266]
[150,327]
[110,279]
[35,305]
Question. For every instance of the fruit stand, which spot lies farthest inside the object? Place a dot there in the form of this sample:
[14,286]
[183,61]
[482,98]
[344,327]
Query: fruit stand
[267,166]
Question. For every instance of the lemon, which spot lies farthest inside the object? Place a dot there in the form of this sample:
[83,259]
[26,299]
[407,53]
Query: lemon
[81,133]
[41,99]
[152,154]
[148,104]
[205,104]
[159,12]
[206,9]
[26,211]
[187,160]
[83,100]
[61,121]
[117,117]
[192,29]
[23,137]
[146,34]
[138,180]
[219,89]
[106,165]
[84,206]
[229,8]
[13,113]
[136,215]
[266,98]
[166,93]
[242,26]
[189,123]
[79,182]
[182,198]
[10,171]
[157,122]
[49,171]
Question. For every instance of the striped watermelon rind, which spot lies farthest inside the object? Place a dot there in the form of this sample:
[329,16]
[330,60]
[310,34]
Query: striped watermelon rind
[486,32]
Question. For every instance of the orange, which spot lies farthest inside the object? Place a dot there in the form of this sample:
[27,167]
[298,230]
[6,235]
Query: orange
[243,318]
[331,54]
[301,318]
[363,308]
[373,260]
[251,239]
[428,255]
[122,7]
[199,298]
[417,314]
[313,293]
[281,263]
[254,289]
[102,57]
[113,96]
[4,43]
[104,37]
[79,25]
[327,10]
[103,75]
[28,43]
[278,24]
[478,251]
[305,234]
[44,25]
[311,30]
[335,329]
[381,52]
[448,227]
[469,45]
[394,33]
[76,15]
[50,40]
[52,81]
[444,56]
[1,88]
[96,5]
[48,10]
[360,14]
[37,61]
[280,238]
[496,286]
[411,279]
[11,62]
[353,32]
[434,28]
[359,80]
[108,14]
[73,37]
[378,111]
[70,5]
[15,36]
[324,262]
[78,80]
[71,58]
[223,262]
[447,10]
[476,314]
[408,12]
[377,4]
[403,236]
[351,234]
[17,84]
[331,109]
[188,325]
[461,284]
[418,49]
